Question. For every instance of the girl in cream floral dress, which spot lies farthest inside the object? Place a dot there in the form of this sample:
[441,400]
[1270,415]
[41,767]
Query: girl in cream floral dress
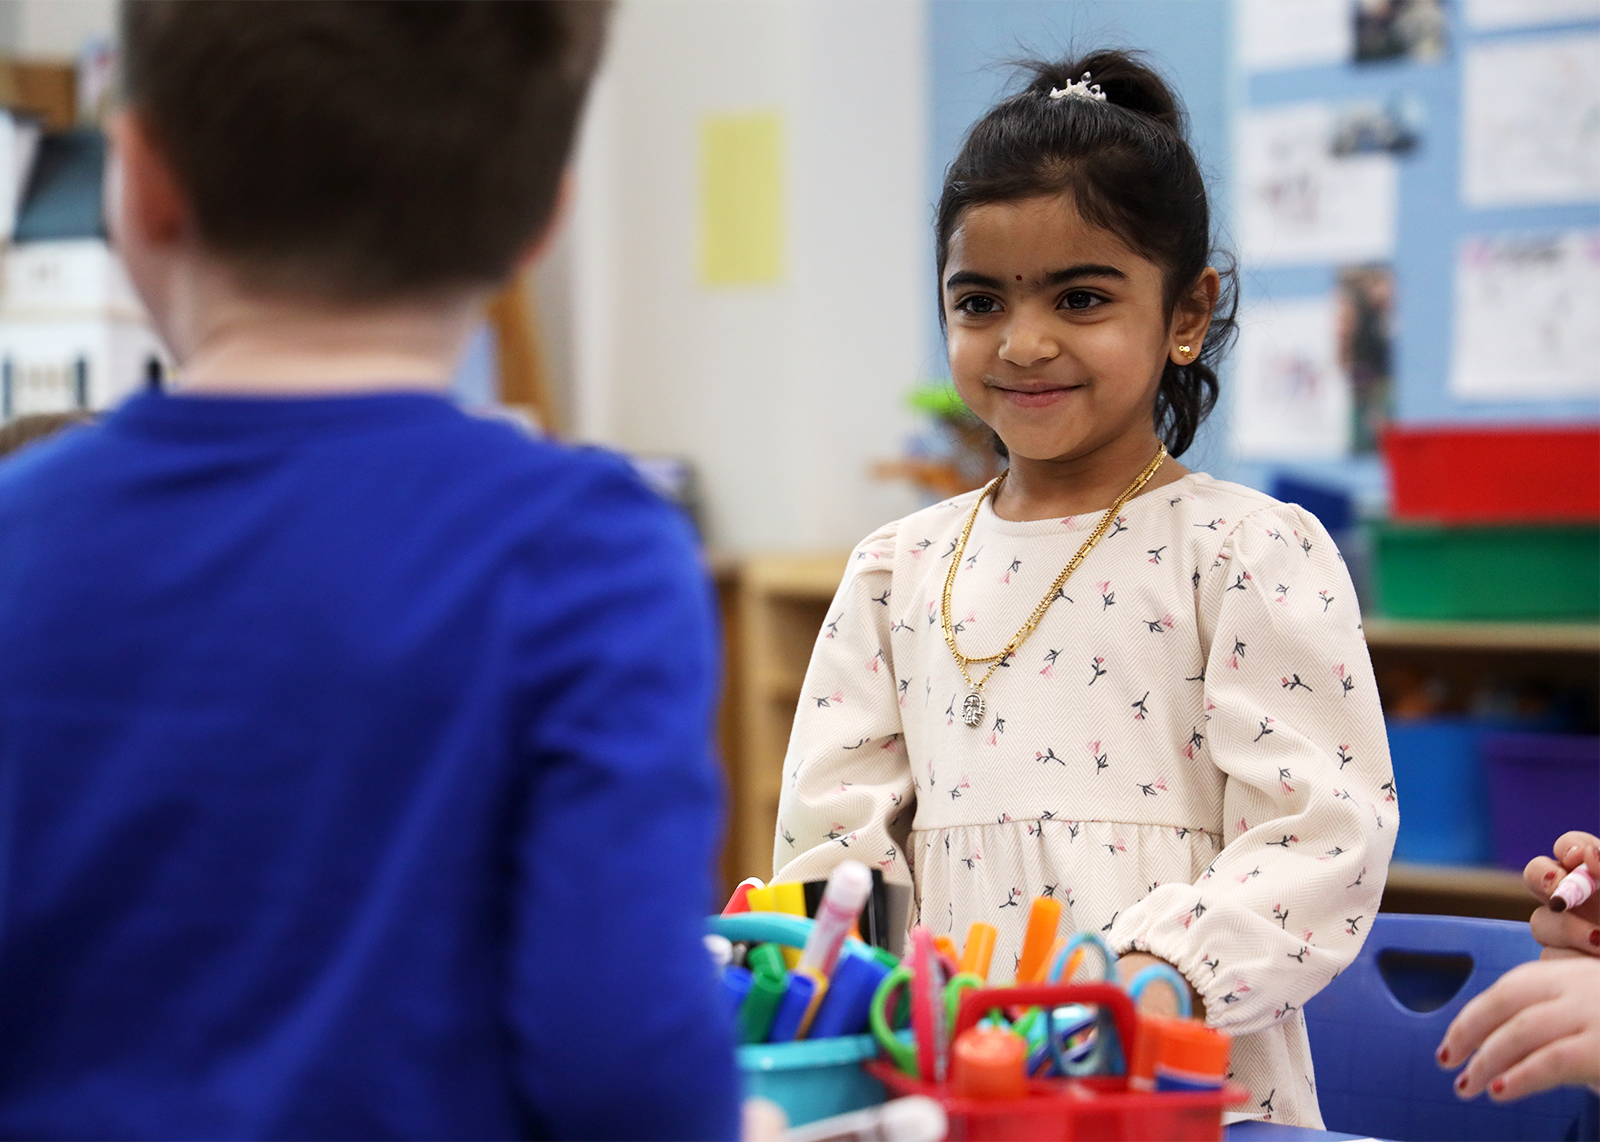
[1180,739]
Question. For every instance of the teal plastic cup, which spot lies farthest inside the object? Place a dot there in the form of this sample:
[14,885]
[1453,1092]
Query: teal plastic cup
[812,1078]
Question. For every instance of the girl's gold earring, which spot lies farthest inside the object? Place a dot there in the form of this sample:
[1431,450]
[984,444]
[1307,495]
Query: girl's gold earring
[1186,351]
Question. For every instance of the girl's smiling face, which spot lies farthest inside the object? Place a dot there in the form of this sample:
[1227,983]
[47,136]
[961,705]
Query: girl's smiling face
[1056,329]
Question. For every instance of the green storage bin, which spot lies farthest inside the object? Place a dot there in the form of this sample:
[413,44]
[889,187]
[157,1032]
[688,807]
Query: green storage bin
[1528,573]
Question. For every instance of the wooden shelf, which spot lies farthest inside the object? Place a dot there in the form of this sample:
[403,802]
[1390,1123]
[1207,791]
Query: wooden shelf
[781,603]
[1556,637]
[1494,893]
[796,576]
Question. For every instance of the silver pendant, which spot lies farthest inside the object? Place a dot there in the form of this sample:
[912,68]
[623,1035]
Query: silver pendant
[972,709]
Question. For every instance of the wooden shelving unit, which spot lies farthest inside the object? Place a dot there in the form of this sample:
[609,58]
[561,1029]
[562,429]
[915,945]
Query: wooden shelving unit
[782,602]
[1462,657]
[1442,890]
[774,606]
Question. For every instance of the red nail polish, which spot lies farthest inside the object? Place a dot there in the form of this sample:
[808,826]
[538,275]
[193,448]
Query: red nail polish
[1498,1086]
[1461,1081]
[1594,938]
[1444,1054]
[1549,876]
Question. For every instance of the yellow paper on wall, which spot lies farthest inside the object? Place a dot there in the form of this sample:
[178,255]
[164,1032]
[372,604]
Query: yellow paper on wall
[741,199]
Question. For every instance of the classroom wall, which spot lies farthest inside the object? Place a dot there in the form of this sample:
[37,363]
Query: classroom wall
[53,28]
[782,395]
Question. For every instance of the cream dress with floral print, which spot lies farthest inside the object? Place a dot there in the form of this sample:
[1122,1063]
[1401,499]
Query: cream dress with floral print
[1188,752]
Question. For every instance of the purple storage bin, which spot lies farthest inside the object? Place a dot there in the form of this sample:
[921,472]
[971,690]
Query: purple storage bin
[1540,786]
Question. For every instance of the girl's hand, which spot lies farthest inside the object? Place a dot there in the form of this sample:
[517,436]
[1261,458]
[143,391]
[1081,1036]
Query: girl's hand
[1538,1027]
[1156,1000]
[1577,930]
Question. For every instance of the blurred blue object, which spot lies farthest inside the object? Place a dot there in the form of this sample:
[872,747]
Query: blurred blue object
[1333,507]
[1444,799]
[1374,1029]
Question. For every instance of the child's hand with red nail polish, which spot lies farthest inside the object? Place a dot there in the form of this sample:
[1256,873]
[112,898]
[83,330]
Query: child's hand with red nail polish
[1575,931]
[1538,1027]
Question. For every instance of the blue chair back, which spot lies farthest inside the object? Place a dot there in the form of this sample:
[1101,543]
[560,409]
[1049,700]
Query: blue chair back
[1374,1029]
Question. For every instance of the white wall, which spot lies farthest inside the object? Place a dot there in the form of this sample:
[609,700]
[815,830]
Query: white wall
[54,29]
[782,395]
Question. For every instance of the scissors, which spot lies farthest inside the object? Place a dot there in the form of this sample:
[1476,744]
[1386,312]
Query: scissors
[1076,1039]
[936,987]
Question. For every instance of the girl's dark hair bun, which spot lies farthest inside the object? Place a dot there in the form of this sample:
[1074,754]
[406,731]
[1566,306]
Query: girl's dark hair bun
[1128,82]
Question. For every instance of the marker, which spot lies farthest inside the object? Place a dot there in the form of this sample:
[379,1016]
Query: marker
[759,900]
[767,958]
[979,949]
[760,1006]
[789,897]
[842,901]
[735,983]
[1576,887]
[1043,919]
[740,900]
[796,1010]
[915,1118]
[788,1024]
[844,1008]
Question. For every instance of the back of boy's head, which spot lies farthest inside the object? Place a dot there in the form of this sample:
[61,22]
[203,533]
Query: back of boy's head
[1128,168]
[364,150]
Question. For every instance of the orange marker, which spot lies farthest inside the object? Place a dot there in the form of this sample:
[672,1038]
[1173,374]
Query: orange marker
[979,951]
[947,946]
[1043,920]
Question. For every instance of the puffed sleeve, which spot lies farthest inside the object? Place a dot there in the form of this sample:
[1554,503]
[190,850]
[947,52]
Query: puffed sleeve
[846,779]
[1294,724]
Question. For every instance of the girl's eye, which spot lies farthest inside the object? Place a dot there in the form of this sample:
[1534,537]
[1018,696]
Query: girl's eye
[977,305]
[1080,299]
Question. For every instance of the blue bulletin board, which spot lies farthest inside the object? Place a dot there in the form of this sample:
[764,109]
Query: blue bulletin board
[1432,218]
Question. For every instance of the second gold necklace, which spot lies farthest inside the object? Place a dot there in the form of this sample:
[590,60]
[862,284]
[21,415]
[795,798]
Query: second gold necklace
[973,707]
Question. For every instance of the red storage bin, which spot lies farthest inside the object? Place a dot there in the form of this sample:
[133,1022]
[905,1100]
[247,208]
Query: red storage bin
[1495,475]
[1070,1110]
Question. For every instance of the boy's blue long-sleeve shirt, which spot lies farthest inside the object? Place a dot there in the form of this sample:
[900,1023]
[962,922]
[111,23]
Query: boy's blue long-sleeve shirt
[354,782]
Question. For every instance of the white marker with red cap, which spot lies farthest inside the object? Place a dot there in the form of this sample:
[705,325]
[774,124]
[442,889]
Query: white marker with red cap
[1576,887]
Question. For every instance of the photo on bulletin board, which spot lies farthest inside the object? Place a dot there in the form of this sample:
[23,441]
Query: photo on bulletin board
[1278,34]
[1534,141]
[1292,398]
[1414,30]
[1527,317]
[1366,350]
[1492,15]
[1301,201]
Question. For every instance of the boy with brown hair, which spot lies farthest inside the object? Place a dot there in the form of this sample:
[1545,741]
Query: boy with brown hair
[354,774]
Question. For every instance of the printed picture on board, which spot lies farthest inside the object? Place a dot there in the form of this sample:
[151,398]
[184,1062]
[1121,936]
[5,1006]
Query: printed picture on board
[1399,29]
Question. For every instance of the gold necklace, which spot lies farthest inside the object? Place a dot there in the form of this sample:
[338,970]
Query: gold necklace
[972,709]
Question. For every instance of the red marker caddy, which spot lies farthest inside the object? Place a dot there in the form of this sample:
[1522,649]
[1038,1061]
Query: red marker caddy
[1069,1110]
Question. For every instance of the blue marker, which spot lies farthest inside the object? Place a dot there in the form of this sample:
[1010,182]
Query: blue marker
[792,1008]
[735,983]
[844,1008]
